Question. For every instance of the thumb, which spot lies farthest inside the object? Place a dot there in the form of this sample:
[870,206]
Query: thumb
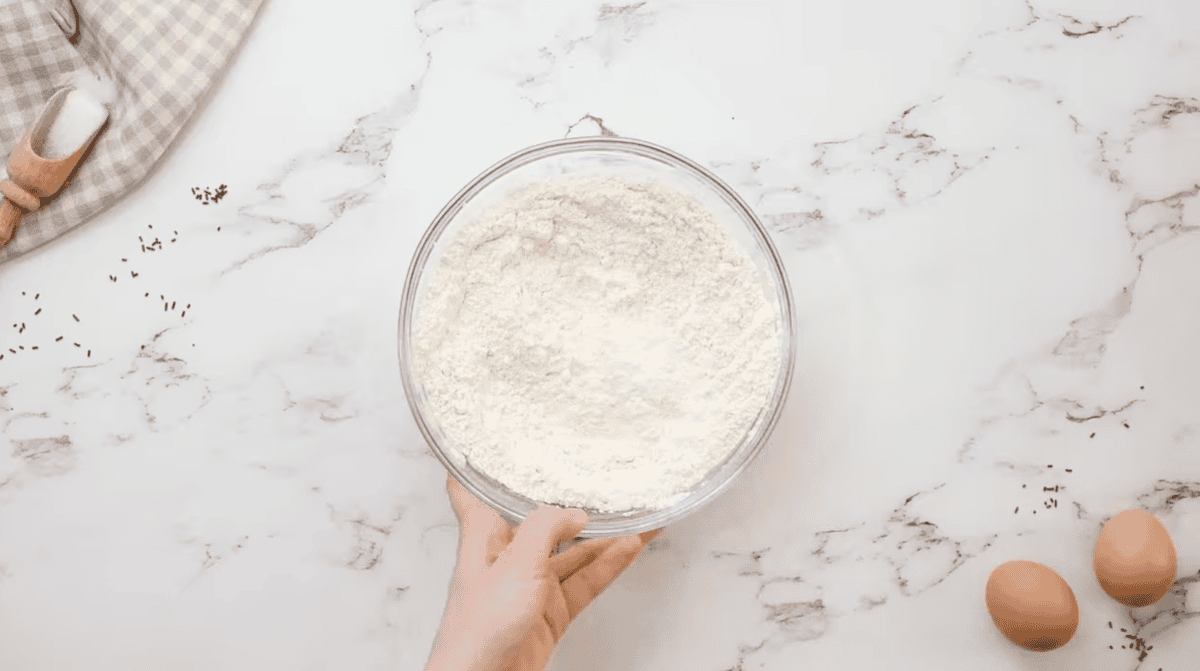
[544,529]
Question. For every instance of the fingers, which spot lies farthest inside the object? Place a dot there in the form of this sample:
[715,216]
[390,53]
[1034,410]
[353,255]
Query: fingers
[564,564]
[482,535]
[545,528]
[567,563]
[462,501]
[588,582]
[556,614]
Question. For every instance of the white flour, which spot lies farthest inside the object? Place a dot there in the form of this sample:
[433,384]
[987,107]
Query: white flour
[596,343]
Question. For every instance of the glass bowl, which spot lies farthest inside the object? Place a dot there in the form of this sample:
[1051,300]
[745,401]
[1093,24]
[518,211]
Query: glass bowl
[580,156]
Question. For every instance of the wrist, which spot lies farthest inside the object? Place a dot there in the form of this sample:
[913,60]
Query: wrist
[441,661]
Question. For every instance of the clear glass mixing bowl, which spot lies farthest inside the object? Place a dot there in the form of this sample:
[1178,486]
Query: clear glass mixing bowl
[638,160]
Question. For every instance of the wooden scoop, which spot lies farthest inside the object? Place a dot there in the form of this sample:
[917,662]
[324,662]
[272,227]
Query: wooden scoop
[32,177]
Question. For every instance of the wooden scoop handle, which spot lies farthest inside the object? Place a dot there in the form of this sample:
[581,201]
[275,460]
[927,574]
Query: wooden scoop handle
[13,206]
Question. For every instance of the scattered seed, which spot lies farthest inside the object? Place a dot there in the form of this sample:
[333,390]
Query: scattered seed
[34,347]
[89,354]
[76,318]
[77,344]
[39,311]
[58,338]
[35,297]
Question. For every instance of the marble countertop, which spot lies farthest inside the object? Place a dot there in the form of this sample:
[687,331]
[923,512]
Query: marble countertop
[990,216]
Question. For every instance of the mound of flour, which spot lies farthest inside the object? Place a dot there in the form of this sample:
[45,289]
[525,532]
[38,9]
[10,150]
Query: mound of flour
[596,342]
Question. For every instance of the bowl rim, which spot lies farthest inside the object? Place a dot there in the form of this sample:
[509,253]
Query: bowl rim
[646,150]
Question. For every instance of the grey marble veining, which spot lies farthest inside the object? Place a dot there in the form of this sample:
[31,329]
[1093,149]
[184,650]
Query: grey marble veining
[990,217]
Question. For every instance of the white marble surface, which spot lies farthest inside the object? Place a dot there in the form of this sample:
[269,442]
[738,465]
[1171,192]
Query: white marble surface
[990,214]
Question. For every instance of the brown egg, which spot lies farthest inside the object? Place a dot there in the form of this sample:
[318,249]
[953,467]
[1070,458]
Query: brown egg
[1032,605]
[1135,558]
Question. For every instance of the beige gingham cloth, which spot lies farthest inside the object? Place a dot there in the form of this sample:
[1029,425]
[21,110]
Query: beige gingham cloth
[161,55]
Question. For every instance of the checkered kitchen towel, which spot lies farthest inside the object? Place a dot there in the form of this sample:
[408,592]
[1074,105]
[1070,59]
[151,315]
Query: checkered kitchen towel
[161,55]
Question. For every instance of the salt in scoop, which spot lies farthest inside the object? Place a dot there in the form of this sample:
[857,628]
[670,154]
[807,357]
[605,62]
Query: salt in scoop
[44,158]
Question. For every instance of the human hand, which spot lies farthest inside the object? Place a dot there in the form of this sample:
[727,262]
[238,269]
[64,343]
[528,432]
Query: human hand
[511,599]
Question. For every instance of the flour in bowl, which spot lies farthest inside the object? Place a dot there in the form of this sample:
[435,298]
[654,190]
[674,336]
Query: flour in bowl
[596,342]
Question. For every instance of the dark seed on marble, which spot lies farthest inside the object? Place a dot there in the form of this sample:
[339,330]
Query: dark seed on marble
[20,347]
[76,318]
[34,347]
[1067,470]
[1016,509]
[89,354]
[172,305]
[1092,436]
[39,311]
[58,338]
[77,344]
[35,297]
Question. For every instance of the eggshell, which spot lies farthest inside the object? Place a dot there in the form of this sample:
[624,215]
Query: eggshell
[1135,558]
[1032,605]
